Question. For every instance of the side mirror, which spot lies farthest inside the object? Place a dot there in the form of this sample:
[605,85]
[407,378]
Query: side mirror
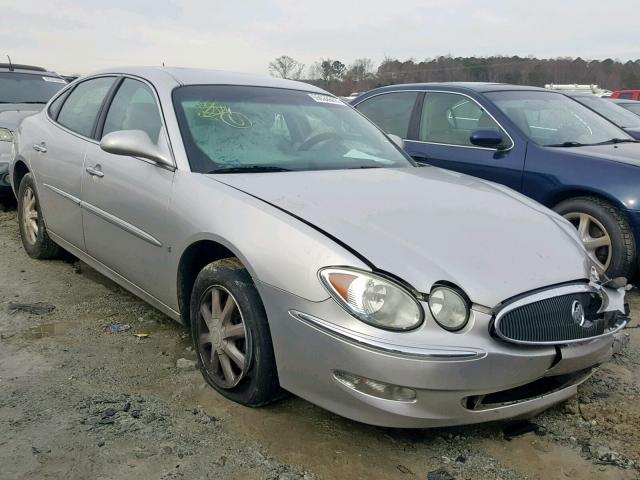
[487,139]
[397,140]
[134,143]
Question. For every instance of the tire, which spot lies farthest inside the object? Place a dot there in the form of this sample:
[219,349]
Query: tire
[36,242]
[257,383]
[622,257]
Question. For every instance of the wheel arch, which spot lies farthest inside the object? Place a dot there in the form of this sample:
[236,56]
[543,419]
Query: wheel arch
[199,253]
[575,192]
[20,169]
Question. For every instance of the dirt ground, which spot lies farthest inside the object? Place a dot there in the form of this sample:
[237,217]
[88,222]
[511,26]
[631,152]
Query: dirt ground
[76,403]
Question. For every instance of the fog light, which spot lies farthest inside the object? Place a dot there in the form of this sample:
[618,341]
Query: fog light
[376,388]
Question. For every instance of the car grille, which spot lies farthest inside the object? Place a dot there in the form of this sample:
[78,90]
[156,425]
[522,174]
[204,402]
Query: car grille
[551,320]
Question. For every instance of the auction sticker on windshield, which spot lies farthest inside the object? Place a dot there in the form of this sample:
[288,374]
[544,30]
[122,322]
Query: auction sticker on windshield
[53,79]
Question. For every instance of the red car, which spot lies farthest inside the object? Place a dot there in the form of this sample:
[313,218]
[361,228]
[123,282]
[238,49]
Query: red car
[626,94]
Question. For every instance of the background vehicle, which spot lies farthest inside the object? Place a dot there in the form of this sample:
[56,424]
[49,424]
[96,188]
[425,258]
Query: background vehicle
[578,88]
[626,94]
[278,223]
[533,140]
[623,118]
[631,105]
[24,89]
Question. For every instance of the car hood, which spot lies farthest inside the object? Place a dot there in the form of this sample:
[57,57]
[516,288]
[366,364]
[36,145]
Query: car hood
[12,113]
[634,132]
[621,152]
[427,224]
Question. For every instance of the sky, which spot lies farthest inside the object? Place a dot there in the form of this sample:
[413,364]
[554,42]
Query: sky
[245,35]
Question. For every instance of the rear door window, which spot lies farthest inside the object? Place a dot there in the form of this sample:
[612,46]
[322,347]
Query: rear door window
[390,111]
[80,110]
[626,96]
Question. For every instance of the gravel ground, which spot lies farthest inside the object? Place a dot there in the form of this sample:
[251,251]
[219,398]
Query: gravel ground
[76,402]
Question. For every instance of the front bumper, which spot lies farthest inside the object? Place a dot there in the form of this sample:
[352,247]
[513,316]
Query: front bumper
[461,379]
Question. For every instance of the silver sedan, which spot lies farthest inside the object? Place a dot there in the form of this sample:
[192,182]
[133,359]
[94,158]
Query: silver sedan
[306,252]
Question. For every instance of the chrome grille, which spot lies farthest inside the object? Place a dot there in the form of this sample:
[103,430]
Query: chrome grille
[548,317]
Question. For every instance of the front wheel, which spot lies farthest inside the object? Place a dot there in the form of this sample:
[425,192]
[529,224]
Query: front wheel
[605,234]
[231,335]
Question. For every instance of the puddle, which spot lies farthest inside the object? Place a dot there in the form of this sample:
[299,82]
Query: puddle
[49,329]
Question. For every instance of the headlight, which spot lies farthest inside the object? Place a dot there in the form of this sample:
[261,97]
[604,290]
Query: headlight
[449,308]
[373,299]
[6,135]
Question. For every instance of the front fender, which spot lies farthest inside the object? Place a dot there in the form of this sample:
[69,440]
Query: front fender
[276,248]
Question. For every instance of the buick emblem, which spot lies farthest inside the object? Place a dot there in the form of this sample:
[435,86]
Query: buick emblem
[577,313]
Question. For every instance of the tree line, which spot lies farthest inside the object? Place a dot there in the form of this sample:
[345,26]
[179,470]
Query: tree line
[363,74]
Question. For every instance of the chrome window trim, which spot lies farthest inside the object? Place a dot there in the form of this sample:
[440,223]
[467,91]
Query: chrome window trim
[162,116]
[73,86]
[117,76]
[543,295]
[513,143]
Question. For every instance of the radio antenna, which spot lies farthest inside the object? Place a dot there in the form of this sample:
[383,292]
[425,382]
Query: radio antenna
[10,64]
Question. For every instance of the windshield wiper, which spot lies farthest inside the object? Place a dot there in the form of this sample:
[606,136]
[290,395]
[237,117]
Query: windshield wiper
[617,140]
[568,144]
[249,169]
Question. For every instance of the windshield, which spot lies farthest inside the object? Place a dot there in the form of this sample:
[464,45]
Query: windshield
[551,119]
[618,115]
[28,87]
[242,128]
[632,107]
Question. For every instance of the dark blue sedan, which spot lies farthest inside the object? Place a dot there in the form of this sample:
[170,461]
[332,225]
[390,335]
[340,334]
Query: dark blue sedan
[536,141]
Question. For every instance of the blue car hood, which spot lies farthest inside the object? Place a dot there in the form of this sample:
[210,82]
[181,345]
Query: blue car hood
[628,153]
[634,132]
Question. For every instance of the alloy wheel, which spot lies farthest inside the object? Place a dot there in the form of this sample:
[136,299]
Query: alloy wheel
[30,216]
[594,236]
[223,341]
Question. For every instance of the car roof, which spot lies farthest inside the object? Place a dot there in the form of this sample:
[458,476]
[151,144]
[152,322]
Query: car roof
[198,76]
[480,87]
[20,68]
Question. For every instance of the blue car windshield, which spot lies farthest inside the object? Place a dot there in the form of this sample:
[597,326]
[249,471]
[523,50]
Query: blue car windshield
[231,129]
[618,115]
[632,107]
[28,88]
[552,119]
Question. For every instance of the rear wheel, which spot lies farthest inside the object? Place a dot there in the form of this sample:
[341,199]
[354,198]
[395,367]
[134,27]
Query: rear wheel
[33,231]
[605,234]
[231,335]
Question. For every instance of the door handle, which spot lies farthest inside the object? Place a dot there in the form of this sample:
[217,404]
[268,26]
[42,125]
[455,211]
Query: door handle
[95,171]
[40,147]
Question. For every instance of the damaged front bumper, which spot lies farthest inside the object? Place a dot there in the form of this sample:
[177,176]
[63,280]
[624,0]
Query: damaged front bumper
[438,378]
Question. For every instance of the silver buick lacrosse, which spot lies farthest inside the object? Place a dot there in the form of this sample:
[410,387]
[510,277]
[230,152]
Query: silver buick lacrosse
[306,252]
